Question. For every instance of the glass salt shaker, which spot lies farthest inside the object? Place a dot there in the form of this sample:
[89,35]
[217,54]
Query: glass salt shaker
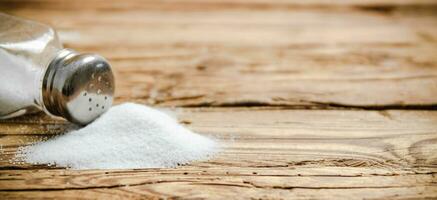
[37,73]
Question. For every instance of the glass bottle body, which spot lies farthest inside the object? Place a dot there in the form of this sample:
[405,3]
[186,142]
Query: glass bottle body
[36,73]
[26,49]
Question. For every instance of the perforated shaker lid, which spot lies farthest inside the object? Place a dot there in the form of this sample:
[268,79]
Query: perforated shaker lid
[78,87]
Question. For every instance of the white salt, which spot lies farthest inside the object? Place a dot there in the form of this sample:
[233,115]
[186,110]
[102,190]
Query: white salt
[127,136]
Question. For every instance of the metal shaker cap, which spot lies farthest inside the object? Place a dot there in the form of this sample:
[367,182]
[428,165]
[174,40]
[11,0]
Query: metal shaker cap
[78,87]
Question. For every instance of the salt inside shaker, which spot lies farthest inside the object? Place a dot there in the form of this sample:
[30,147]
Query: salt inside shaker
[37,73]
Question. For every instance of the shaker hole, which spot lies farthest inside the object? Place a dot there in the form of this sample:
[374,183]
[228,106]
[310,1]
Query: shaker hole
[97,105]
[89,99]
[84,94]
[106,97]
[90,109]
[103,107]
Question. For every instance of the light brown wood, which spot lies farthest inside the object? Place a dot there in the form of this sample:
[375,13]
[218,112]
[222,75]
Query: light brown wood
[316,54]
[311,99]
[268,153]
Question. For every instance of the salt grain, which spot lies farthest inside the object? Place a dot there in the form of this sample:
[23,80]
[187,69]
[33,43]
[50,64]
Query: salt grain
[127,136]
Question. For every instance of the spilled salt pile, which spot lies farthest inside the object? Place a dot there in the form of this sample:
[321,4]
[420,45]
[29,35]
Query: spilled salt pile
[127,136]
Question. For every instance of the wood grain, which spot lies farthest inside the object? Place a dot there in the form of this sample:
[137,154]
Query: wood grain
[365,54]
[268,153]
[310,99]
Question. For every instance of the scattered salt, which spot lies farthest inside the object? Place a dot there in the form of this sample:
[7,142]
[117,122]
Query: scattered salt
[127,136]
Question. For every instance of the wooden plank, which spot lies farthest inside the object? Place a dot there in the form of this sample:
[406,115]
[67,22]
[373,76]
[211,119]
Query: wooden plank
[268,153]
[224,191]
[312,56]
[234,53]
[212,4]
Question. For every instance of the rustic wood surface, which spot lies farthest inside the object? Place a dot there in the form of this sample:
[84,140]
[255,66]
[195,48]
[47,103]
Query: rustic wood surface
[311,99]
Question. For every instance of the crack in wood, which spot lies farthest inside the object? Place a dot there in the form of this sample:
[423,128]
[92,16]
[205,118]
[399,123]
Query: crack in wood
[90,187]
[333,187]
[316,105]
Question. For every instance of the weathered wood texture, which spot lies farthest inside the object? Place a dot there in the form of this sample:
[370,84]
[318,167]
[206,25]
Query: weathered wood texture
[214,53]
[268,153]
[242,69]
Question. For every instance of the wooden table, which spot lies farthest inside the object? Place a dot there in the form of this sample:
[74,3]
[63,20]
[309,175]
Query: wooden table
[312,100]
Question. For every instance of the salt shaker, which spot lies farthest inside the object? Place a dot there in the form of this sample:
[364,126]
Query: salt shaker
[37,73]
